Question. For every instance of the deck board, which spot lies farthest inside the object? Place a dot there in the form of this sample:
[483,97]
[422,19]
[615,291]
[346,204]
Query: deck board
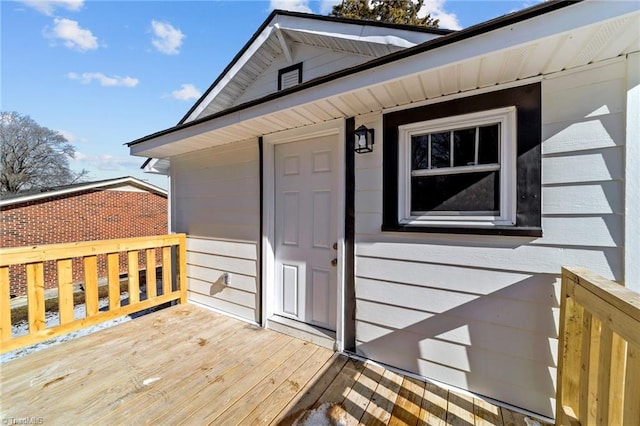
[187,365]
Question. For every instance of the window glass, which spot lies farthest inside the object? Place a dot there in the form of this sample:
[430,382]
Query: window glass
[489,144]
[464,147]
[440,150]
[419,152]
[460,192]
[456,171]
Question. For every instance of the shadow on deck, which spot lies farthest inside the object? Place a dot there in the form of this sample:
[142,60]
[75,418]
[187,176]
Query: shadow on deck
[186,365]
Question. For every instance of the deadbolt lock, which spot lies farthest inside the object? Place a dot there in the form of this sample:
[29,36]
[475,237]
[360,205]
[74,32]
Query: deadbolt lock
[335,246]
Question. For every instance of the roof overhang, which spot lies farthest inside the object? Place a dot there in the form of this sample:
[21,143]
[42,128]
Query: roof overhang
[282,30]
[156,166]
[542,40]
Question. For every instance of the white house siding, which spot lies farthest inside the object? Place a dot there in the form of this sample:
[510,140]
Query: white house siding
[316,62]
[216,203]
[481,312]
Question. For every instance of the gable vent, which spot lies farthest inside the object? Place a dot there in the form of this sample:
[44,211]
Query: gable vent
[290,76]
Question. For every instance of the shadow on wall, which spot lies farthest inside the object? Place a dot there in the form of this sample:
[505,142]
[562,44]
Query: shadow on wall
[498,344]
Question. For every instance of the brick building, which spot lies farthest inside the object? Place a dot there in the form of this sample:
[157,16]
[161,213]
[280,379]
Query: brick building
[108,209]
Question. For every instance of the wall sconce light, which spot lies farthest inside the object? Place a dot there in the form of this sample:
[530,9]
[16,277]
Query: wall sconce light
[363,140]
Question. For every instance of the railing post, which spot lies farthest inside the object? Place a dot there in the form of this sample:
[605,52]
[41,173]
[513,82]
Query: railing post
[599,352]
[182,271]
[5,304]
[570,348]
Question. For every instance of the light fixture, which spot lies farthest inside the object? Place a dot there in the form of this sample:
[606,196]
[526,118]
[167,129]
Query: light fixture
[363,140]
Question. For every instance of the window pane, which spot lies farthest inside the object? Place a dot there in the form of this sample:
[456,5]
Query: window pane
[489,147]
[419,152]
[464,147]
[440,147]
[456,192]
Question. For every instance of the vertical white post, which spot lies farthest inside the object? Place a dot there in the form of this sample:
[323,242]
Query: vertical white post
[632,176]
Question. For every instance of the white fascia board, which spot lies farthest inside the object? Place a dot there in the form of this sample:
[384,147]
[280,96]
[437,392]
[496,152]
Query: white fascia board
[158,166]
[357,32]
[412,37]
[544,26]
[377,39]
[246,56]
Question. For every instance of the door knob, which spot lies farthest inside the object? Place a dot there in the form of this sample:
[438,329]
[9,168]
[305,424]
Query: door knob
[334,262]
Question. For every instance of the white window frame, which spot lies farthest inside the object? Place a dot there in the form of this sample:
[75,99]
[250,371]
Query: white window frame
[506,117]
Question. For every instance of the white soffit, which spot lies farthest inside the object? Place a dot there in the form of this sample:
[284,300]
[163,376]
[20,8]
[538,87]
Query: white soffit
[574,36]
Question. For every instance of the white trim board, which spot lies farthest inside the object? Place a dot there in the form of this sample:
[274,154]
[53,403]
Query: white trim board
[335,128]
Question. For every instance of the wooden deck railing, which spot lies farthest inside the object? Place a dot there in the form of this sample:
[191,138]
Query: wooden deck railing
[171,249]
[599,352]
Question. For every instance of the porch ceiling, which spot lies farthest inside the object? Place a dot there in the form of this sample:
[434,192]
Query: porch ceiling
[546,44]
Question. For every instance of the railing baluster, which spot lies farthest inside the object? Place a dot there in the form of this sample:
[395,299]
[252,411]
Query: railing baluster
[182,269]
[65,290]
[91,285]
[151,274]
[616,379]
[604,376]
[5,304]
[134,282]
[595,331]
[166,270]
[35,296]
[113,279]
[631,415]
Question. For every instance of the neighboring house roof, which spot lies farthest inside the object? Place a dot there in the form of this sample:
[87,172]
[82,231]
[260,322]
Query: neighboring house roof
[121,183]
[541,40]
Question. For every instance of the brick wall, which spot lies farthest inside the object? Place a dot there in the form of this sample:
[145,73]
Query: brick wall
[81,216]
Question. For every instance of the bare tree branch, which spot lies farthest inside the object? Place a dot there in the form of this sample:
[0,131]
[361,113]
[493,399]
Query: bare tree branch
[33,157]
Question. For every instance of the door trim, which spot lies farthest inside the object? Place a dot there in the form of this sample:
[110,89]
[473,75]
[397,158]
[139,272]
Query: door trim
[335,128]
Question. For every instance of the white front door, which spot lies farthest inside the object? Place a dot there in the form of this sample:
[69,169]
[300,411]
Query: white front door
[306,179]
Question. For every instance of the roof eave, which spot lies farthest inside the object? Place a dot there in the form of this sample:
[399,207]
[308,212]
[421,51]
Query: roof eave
[449,39]
[273,16]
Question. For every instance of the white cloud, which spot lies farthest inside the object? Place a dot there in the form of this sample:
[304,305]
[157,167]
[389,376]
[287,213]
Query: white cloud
[292,5]
[73,36]
[326,6]
[70,137]
[107,162]
[186,93]
[104,80]
[48,7]
[167,39]
[437,10]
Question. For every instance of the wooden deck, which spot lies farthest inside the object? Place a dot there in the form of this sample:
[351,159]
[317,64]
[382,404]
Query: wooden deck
[186,365]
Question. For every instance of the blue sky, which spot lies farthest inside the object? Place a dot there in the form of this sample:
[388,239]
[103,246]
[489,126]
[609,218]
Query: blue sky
[104,73]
